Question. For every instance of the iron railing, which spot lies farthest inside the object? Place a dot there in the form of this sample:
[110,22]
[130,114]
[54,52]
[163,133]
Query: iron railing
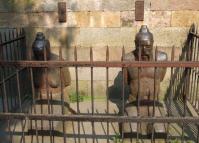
[182,91]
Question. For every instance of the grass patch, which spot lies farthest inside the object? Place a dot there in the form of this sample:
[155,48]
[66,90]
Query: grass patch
[83,97]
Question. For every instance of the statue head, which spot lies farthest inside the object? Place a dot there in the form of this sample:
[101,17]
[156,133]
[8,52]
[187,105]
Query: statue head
[144,42]
[40,47]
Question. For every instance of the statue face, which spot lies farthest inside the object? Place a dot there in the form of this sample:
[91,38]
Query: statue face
[146,48]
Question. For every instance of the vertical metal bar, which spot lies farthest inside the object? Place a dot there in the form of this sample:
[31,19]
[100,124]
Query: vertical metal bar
[14,57]
[123,88]
[192,85]
[11,82]
[1,70]
[154,95]
[92,96]
[170,92]
[52,112]
[138,96]
[77,92]
[34,98]
[6,107]
[196,72]
[107,91]
[7,70]
[20,103]
[62,93]
[18,45]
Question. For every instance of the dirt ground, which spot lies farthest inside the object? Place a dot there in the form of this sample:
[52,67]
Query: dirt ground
[83,132]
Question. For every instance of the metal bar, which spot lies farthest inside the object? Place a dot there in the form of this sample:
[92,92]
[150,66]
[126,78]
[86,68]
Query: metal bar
[77,91]
[99,118]
[107,90]
[6,108]
[154,95]
[20,104]
[34,98]
[92,93]
[123,90]
[138,97]
[34,101]
[14,57]
[47,91]
[12,40]
[55,64]
[10,92]
[171,92]
[62,93]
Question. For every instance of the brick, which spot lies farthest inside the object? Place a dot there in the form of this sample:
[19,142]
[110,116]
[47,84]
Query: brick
[111,19]
[184,18]
[174,5]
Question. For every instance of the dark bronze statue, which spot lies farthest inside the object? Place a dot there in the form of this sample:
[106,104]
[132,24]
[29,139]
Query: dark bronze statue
[48,83]
[143,52]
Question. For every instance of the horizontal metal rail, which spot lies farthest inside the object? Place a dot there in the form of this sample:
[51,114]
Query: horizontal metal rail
[99,118]
[12,40]
[57,64]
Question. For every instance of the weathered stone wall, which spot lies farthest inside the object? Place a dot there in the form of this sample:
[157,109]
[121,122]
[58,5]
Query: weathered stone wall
[99,23]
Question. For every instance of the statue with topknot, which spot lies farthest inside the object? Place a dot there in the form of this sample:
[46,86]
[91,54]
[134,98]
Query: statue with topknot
[142,85]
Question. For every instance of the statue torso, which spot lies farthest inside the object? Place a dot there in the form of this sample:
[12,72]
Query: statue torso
[145,78]
[51,77]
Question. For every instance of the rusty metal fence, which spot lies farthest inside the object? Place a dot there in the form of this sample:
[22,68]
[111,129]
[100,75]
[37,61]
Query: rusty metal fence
[17,86]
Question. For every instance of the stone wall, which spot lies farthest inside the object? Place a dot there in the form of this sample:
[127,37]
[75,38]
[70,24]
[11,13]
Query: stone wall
[99,23]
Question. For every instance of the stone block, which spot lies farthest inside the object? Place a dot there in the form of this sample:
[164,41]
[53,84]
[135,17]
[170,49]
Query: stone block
[13,20]
[47,19]
[96,19]
[127,18]
[12,5]
[159,18]
[99,37]
[127,36]
[169,36]
[111,19]
[118,5]
[83,19]
[84,5]
[184,18]
[174,5]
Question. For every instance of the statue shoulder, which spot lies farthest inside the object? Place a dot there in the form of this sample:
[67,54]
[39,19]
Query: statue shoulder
[162,56]
[129,57]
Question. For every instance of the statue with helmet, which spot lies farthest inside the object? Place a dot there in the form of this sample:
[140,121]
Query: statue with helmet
[145,86]
[49,84]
